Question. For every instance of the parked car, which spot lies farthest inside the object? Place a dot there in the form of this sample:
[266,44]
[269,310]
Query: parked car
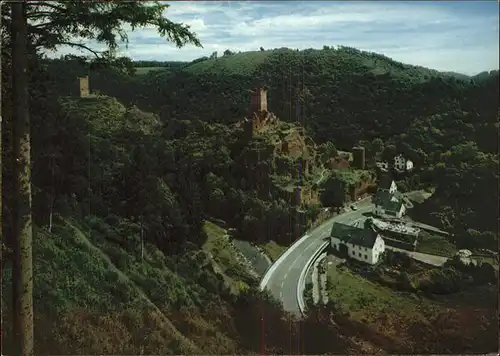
[354,207]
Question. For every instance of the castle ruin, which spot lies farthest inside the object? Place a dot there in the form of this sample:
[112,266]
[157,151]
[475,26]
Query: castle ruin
[358,154]
[83,87]
[260,117]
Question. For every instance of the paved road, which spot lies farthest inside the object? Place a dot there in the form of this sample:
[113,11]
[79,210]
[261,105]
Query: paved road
[283,282]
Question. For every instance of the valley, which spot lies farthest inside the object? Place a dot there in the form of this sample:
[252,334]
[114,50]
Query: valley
[279,201]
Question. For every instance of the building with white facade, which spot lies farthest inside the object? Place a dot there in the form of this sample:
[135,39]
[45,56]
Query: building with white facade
[361,244]
[386,202]
[399,163]
[387,183]
[384,166]
[388,205]
[402,164]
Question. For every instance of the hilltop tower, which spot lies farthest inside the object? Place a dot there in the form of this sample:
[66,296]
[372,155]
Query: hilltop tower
[258,115]
[358,157]
[259,100]
[83,87]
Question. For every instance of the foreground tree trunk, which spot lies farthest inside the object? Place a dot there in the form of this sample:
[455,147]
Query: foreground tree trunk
[22,273]
[1,207]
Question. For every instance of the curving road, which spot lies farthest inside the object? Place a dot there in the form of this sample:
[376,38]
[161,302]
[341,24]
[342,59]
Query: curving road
[284,281]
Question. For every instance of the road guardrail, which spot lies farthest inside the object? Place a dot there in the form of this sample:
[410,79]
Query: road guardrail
[302,278]
[270,270]
[284,255]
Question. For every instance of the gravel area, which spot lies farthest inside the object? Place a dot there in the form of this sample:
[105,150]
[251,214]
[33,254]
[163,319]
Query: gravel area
[253,255]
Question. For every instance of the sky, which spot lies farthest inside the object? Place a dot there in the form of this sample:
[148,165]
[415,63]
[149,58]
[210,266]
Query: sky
[455,36]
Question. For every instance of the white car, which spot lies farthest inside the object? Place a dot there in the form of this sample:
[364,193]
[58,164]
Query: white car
[354,207]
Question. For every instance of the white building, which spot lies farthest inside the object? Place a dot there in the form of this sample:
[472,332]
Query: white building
[465,256]
[386,203]
[402,164]
[361,244]
[382,165]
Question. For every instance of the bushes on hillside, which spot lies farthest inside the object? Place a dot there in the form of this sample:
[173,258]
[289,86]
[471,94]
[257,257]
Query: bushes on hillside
[407,274]
[481,273]
[397,259]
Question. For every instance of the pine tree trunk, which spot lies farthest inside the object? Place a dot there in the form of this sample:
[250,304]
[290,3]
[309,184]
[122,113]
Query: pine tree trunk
[51,207]
[22,276]
[1,207]
[52,196]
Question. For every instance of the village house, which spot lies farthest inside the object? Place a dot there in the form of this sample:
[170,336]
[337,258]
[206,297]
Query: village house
[388,205]
[388,184]
[384,166]
[386,202]
[402,164]
[361,244]
[399,163]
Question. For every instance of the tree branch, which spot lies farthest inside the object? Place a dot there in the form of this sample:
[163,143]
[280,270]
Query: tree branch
[46,4]
[38,14]
[72,44]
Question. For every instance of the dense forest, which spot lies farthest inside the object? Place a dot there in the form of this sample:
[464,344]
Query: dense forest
[347,97]
[123,184]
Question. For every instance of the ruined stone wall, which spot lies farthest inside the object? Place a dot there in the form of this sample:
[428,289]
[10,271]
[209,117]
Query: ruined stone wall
[258,121]
[363,188]
[338,163]
[296,197]
[294,146]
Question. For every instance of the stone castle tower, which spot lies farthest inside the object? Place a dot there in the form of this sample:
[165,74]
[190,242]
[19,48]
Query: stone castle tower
[83,87]
[259,101]
[259,115]
[358,157]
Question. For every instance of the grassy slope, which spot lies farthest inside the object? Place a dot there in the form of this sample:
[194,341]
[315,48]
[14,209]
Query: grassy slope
[224,255]
[435,245]
[106,285]
[239,63]
[273,250]
[395,314]
[145,70]
[246,63]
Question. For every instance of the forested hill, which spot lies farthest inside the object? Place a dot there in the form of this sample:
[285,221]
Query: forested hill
[340,94]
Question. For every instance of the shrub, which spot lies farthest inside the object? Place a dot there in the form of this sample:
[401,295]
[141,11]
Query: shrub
[397,259]
[445,281]
[404,282]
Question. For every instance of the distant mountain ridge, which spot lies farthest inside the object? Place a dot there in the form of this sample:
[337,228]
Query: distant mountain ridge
[253,58]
